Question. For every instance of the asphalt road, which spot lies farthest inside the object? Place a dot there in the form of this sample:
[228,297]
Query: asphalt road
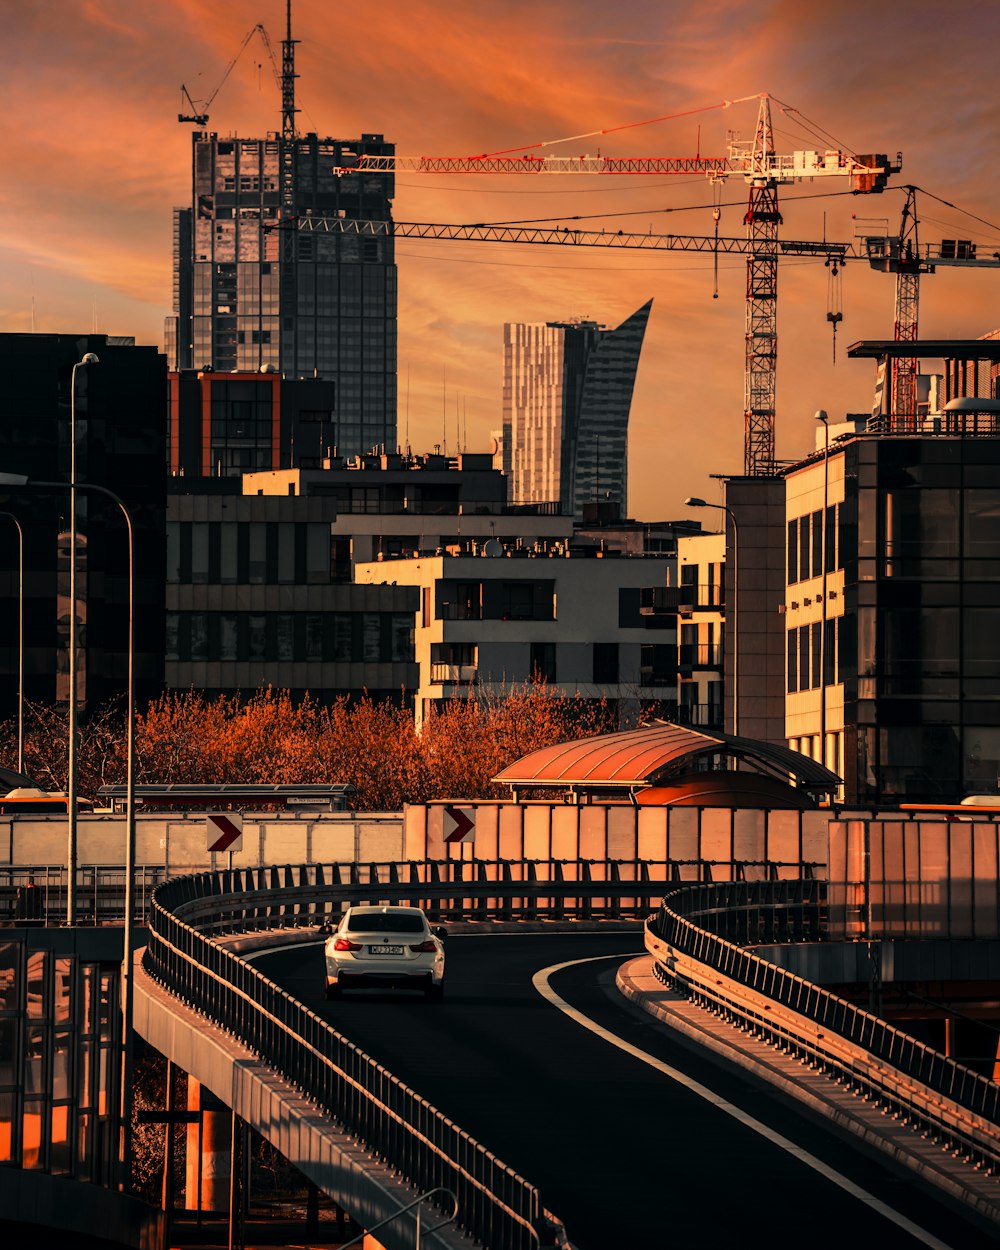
[621,1153]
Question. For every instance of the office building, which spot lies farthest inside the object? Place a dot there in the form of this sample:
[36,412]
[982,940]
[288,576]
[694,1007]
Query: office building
[255,291]
[567,395]
[881,643]
[228,424]
[120,445]
[256,596]
[487,622]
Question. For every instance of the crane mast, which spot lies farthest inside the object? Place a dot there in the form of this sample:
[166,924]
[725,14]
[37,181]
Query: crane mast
[904,256]
[760,372]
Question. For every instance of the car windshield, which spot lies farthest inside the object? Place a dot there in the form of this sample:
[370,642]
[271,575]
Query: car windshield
[385,922]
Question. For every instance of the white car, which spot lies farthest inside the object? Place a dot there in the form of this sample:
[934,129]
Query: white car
[385,946]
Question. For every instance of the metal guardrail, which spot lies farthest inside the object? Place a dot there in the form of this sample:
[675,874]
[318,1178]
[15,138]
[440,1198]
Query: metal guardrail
[101,889]
[697,936]
[496,1205]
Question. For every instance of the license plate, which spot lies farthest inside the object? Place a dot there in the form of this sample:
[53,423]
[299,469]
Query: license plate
[385,950]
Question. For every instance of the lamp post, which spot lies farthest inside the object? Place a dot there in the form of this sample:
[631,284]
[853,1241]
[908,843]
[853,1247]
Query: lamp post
[822,416]
[693,502]
[87,359]
[19,480]
[20,639]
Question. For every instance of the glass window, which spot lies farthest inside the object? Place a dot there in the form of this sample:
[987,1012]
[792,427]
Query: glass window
[605,663]
[981,516]
[170,642]
[793,661]
[199,636]
[816,643]
[37,961]
[543,661]
[227,554]
[371,635]
[982,641]
[314,636]
[317,554]
[228,636]
[804,667]
[285,636]
[921,523]
[793,552]
[925,641]
[258,554]
[257,636]
[805,548]
[817,543]
[343,638]
[199,553]
[402,637]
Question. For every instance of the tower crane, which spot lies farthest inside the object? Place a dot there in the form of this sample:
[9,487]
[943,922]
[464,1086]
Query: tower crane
[904,256]
[200,116]
[764,170]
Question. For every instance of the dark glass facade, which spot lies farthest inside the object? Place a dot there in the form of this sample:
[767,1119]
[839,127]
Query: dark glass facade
[121,445]
[920,537]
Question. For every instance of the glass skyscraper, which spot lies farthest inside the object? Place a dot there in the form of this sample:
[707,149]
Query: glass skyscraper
[566,402]
[255,293]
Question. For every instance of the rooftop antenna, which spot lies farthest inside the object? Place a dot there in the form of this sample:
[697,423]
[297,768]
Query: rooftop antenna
[444,408]
[288,76]
[407,409]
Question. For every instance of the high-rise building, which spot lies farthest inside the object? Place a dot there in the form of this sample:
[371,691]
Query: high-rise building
[566,402]
[120,446]
[254,292]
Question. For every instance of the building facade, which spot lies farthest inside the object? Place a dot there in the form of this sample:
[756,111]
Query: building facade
[253,291]
[567,395]
[486,624]
[228,424]
[256,596]
[120,445]
[892,613]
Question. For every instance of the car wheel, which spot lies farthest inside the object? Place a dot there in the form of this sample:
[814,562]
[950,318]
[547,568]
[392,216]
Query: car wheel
[334,991]
[434,993]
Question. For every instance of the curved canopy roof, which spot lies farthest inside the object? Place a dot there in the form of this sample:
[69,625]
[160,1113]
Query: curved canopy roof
[637,758]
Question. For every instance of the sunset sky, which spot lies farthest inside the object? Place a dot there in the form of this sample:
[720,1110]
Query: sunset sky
[95,160]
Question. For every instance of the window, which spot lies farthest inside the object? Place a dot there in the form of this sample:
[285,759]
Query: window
[792,684]
[605,663]
[518,601]
[804,668]
[817,543]
[402,637]
[817,654]
[804,548]
[793,552]
[543,661]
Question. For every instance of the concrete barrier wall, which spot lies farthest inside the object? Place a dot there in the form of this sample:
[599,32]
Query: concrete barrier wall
[178,842]
[543,831]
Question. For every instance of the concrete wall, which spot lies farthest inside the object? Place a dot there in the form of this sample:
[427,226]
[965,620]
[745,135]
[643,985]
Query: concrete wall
[178,841]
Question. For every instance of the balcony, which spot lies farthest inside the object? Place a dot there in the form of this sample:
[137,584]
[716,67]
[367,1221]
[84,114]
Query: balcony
[701,715]
[663,599]
[453,674]
[700,655]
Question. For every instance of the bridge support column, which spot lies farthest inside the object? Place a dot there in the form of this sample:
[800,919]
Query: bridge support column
[209,1151]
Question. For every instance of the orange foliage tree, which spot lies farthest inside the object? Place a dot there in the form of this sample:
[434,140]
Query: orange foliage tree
[268,738]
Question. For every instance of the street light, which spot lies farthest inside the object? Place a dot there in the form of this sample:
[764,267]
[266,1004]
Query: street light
[20,639]
[20,480]
[693,502]
[824,418]
[87,359]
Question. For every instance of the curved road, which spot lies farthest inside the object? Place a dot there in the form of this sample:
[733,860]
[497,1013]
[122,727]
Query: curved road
[621,1152]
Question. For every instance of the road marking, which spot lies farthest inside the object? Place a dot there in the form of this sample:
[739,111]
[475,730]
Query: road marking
[541,983]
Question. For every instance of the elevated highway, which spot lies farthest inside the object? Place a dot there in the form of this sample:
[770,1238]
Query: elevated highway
[619,1128]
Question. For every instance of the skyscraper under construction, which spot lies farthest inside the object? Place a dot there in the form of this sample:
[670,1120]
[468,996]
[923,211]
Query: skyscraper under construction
[255,293]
